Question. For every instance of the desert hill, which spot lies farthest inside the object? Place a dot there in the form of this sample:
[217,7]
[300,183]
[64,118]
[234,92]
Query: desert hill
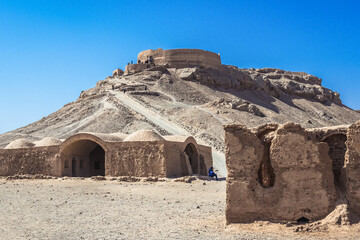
[196,101]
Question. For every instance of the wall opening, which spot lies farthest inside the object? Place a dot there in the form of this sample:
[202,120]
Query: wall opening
[193,157]
[337,150]
[73,167]
[266,174]
[87,159]
[302,220]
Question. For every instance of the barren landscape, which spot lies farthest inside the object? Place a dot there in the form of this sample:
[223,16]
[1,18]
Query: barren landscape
[74,208]
[193,101]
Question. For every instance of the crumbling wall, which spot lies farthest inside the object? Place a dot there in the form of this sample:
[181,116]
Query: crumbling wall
[180,58]
[37,160]
[138,67]
[280,175]
[352,167]
[136,159]
[118,72]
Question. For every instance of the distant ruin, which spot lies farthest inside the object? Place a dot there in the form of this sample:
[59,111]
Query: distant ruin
[174,58]
[142,154]
[287,173]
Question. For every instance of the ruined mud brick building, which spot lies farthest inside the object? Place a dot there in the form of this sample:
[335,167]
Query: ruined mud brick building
[174,58]
[143,153]
[288,173]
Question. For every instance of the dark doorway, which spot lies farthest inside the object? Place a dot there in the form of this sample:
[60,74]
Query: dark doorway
[73,167]
[97,162]
[193,157]
[87,159]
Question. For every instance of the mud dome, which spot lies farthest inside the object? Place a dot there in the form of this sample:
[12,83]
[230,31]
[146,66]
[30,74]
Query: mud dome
[143,154]
[287,173]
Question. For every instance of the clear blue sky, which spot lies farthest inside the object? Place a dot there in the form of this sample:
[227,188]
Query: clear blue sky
[51,50]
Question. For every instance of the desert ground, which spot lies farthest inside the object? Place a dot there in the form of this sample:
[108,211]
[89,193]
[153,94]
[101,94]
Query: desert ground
[78,208]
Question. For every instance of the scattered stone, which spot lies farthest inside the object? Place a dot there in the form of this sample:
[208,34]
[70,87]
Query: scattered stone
[128,179]
[186,179]
[98,178]
[28,176]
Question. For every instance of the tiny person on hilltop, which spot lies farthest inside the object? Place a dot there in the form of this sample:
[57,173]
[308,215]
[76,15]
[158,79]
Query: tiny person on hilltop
[212,173]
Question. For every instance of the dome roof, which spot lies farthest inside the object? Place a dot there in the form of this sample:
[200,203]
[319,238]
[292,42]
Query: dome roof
[20,143]
[121,136]
[107,137]
[176,138]
[144,136]
[48,141]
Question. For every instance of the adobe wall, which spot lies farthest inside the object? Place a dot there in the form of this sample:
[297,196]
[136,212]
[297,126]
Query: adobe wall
[206,154]
[37,160]
[177,163]
[180,58]
[136,159]
[352,167]
[90,154]
[279,173]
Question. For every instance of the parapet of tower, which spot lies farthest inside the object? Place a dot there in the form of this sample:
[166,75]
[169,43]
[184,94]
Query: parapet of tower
[175,58]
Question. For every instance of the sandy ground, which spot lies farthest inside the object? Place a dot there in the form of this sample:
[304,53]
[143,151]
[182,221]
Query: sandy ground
[88,209]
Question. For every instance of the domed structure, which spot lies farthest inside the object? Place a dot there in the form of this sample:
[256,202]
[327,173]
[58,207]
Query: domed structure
[143,154]
[144,136]
[48,141]
[20,143]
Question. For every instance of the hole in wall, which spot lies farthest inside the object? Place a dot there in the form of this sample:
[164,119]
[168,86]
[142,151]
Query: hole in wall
[302,220]
[193,156]
[266,174]
[337,150]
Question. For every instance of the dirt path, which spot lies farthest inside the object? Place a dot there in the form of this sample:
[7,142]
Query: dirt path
[171,127]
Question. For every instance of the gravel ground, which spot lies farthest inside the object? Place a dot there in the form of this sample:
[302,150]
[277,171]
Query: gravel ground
[88,209]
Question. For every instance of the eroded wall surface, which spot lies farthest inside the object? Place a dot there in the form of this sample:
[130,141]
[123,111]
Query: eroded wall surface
[278,175]
[136,159]
[37,160]
[352,167]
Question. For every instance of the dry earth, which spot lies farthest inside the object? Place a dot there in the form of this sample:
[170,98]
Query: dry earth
[88,209]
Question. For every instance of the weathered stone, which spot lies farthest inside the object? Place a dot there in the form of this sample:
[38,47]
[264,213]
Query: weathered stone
[282,178]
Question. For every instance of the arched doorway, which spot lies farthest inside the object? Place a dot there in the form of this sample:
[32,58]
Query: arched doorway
[83,158]
[192,157]
[337,150]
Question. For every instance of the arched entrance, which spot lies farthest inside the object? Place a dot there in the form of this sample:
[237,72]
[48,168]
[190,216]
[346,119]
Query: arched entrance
[83,158]
[337,150]
[192,157]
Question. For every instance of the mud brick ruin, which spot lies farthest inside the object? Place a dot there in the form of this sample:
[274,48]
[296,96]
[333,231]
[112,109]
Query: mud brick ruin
[287,173]
[142,154]
[174,58]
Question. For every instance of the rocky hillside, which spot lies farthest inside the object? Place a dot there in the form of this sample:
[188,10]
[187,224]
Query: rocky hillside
[193,101]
